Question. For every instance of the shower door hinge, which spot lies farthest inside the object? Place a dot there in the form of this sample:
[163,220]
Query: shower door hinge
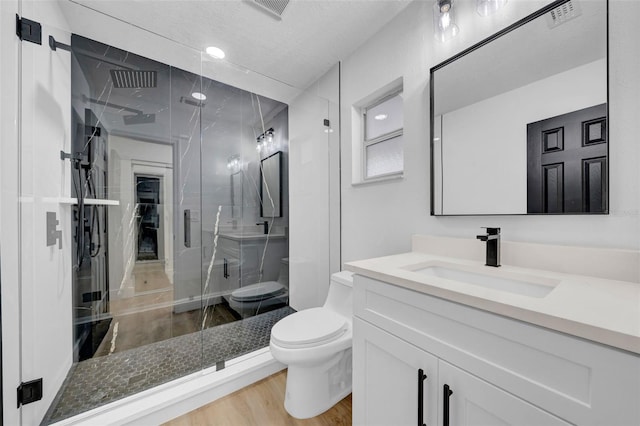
[29,392]
[28,30]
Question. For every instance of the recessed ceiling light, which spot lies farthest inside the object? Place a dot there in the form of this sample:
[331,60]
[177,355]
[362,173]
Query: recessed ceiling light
[381,117]
[199,96]
[215,52]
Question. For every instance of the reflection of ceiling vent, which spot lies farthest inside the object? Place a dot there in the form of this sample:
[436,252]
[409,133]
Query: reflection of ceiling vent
[563,13]
[192,102]
[274,7]
[134,79]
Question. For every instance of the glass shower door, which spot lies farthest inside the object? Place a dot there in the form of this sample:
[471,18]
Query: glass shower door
[45,219]
[110,234]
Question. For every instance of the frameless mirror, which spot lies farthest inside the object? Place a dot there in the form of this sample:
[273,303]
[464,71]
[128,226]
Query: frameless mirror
[236,195]
[519,120]
[271,186]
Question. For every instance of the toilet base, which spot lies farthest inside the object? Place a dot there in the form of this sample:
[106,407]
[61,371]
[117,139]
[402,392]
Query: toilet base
[313,389]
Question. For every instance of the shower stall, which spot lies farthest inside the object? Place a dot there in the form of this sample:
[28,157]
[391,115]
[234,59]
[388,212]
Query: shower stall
[155,235]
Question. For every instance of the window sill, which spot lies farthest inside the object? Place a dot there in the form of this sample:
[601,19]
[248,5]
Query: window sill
[386,178]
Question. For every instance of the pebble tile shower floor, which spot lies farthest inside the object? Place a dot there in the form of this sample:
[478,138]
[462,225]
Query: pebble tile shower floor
[99,381]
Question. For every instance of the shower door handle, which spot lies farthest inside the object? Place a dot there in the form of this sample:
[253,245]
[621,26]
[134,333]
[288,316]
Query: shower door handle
[226,268]
[187,228]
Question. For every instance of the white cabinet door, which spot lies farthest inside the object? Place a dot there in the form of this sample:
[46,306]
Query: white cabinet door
[474,402]
[387,382]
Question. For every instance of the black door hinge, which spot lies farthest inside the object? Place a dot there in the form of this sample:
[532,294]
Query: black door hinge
[28,30]
[29,392]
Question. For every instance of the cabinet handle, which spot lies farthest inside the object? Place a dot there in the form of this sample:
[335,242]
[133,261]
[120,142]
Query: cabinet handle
[187,228]
[226,268]
[445,409]
[421,378]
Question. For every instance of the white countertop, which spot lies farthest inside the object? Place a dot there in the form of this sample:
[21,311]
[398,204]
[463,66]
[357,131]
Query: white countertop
[244,236]
[602,310]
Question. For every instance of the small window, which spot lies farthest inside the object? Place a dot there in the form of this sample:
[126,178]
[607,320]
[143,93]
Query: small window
[382,147]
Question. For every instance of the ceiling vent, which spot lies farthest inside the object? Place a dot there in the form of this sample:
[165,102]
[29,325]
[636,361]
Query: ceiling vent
[563,13]
[134,79]
[192,102]
[274,7]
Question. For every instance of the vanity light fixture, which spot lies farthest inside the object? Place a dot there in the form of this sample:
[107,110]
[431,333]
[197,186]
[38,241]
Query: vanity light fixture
[265,139]
[199,96]
[489,7]
[233,163]
[215,52]
[444,26]
[380,117]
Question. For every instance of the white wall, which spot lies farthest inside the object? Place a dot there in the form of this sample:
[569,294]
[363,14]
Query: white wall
[485,144]
[378,219]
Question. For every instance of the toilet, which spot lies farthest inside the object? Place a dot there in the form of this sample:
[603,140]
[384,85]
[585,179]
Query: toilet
[261,297]
[315,344]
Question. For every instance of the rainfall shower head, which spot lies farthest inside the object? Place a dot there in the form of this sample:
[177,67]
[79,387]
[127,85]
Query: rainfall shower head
[139,119]
[134,79]
[192,102]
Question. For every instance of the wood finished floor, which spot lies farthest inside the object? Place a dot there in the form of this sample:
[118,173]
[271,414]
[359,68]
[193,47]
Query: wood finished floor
[148,317]
[261,403]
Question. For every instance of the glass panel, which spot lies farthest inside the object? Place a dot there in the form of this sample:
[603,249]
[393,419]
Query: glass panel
[45,217]
[145,180]
[119,181]
[245,243]
[385,157]
[384,118]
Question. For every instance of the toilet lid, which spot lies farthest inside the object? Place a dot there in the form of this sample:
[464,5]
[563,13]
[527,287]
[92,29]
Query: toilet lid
[308,327]
[257,292]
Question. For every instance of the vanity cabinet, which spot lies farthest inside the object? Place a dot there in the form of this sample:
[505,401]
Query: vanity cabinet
[500,371]
[472,401]
[243,257]
[229,263]
[389,383]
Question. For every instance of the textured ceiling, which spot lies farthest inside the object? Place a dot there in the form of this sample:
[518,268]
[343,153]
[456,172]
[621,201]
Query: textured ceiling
[311,37]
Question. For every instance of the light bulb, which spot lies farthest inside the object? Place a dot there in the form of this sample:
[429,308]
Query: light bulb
[215,52]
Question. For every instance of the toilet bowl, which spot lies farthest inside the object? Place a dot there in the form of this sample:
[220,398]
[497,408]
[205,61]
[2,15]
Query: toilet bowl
[261,297]
[315,344]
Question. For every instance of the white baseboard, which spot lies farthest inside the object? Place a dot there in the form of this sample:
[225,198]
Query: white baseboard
[173,399]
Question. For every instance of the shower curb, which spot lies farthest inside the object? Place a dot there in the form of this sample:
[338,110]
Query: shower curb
[173,399]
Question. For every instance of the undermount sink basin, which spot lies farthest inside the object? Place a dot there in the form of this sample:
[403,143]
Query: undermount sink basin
[515,283]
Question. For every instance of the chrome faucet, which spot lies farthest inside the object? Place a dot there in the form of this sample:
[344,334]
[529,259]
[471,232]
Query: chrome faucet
[492,239]
[265,224]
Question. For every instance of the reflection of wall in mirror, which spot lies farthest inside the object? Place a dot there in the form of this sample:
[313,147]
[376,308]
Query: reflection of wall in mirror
[484,145]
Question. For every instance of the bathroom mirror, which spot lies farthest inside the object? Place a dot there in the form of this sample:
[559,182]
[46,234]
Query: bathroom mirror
[271,186]
[236,194]
[519,120]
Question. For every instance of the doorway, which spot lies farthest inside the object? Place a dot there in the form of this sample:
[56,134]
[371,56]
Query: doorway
[149,229]
[567,163]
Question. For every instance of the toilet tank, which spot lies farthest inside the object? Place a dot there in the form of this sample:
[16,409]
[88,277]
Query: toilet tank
[340,289]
